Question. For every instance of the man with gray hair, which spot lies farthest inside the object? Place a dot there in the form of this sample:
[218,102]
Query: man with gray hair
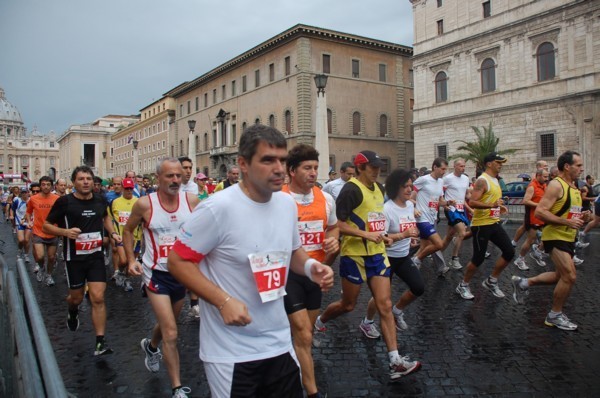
[233,175]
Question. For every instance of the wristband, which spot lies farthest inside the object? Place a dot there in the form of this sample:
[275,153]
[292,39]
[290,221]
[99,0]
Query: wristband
[307,266]
[224,302]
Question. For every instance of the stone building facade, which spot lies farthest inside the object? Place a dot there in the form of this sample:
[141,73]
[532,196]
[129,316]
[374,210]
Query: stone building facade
[369,96]
[24,155]
[532,68]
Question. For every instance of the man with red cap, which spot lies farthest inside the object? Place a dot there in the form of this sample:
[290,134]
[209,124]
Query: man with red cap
[361,221]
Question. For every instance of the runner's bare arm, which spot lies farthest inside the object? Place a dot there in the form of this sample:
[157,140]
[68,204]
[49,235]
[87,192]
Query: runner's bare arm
[139,210]
[331,245]
[321,274]
[108,225]
[192,200]
[554,192]
[528,196]
[478,190]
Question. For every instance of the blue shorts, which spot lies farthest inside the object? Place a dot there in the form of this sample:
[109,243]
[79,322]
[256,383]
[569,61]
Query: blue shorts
[455,217]
[358,269]
[426,230]
[22,227]
[163,283]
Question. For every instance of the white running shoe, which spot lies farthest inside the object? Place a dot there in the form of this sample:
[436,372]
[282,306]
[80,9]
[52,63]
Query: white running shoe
[520,263]
[577,260]
[464,291]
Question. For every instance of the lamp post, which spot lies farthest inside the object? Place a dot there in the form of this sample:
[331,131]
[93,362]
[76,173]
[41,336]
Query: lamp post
[192,141]
[135,156]
[321,136]
[104,165]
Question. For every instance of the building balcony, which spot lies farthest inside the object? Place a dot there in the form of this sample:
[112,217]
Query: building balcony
[224,150]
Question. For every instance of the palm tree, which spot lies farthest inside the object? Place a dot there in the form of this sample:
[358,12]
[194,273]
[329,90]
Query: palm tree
[476,150]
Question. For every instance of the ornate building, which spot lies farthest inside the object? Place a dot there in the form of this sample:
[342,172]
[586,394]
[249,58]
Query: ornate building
[24,155]
[532,68]
[369,96]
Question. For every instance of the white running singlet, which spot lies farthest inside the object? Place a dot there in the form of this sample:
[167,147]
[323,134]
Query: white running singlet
[429,191]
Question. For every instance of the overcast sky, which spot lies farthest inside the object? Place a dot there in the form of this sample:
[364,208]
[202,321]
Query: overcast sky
[65,62]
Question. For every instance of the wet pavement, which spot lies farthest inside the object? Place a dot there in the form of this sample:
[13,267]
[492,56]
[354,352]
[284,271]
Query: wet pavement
[487,346]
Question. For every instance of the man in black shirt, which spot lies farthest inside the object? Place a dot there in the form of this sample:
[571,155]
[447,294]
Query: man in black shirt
[82,217]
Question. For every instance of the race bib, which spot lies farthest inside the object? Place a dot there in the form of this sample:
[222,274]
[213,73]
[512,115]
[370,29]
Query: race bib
[88,243]
[434,205]
[495,212]
[123,217]
[311,235]
[165,244]
[376,221]
[406,224]
[270,270]
[460,206]
[575,213]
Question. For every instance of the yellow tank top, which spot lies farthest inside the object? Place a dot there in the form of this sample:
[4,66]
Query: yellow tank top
[368,216]
[488,216]
[120,210]
[562,232]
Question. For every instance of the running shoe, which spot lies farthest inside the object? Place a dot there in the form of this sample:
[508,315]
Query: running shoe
[416,262]
[560,321]
[182,392]
[36,269]
[102,349]
[455,264]
[577,260]
[492,287]
[127,285]
[119,279]
[520,263]
[320,326]
[519,293]
[115,275]
[538,260]
[72,321]
[369,330]
[540,253]
[464,291]
[442,270]
[196,311]
[28,260]
[579,244]
[152,360]
[488,254]
[403,368]
[400,323]
[40,275]
[49,280]
[513,243]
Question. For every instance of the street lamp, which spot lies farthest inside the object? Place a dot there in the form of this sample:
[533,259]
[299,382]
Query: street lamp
[192,141]
[321,138]
[104,166]
[135,156]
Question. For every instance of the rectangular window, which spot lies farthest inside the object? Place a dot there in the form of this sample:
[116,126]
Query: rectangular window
[257,78]
[440,27]
[547,145]
[234,134]
[233,91]
[487,9]
[440,3]
[412,103]
[326,63]
[244,88]
[355,68]
[205,100]
[441,151]
[181,110]
[197,104]
[411,77]
[385,168]
[164,144]
[287,66]
[89,155]
[382,72]
[271,72]
[223,92]
[189,107]
[214,96]
[51,144]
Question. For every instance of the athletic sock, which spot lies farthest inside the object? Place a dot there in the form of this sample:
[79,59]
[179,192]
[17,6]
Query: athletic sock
[396,310]
[553,314]
[368,321]
[491,279]
[193,302]
[394,356]
[99,339]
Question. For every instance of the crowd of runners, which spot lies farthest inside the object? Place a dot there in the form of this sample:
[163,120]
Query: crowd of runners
[254,253]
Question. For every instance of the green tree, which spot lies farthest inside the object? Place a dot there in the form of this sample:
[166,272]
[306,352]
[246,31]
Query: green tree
[475,150]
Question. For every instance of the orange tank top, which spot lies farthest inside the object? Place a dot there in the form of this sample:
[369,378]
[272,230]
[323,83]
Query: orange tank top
[538,193]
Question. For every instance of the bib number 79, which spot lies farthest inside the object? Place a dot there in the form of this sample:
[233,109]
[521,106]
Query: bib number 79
[273,278]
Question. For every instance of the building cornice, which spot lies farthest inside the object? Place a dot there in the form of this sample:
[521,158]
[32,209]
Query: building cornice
[293,33]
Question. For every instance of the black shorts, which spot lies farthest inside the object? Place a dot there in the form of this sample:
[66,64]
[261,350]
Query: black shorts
[36,239]
[302,293]
[497,235]
[404,268]
[597,209]
[80,272]
[562,245]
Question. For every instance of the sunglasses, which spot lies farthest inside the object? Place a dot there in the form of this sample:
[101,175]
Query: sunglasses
[129,188]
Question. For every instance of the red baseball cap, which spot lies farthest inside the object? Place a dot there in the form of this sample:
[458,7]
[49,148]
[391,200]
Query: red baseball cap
[128,183]
[368,157]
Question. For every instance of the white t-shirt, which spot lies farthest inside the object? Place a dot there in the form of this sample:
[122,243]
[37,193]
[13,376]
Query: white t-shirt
[190,187]
[334,187]
[456,189]
[429,191]
[226,229]
[329,203]
[399,219]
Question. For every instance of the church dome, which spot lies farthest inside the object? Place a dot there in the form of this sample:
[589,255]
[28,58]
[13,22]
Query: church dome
[8,112]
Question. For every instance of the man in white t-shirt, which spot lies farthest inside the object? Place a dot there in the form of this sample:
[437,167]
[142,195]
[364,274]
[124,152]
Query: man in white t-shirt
[456,187]
[187,183]
[245,257]
[429,195]
[347,171]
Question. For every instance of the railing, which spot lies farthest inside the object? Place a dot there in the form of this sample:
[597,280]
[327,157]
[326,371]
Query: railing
[28,365]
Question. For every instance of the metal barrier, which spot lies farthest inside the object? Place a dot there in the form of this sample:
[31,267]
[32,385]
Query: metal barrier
[516,210]
[29,365]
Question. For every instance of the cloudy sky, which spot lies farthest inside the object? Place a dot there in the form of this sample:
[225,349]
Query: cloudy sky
[65,62]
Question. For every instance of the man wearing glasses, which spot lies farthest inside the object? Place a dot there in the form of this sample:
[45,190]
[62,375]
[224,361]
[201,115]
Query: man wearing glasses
[38,208]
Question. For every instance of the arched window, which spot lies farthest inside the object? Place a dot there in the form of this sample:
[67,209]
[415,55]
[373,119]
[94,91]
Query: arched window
[383,124]
[329,121]
[288,121]
[257,121]
[356,123]
[272,121]
[488,75]
[441,87]
[545,62]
